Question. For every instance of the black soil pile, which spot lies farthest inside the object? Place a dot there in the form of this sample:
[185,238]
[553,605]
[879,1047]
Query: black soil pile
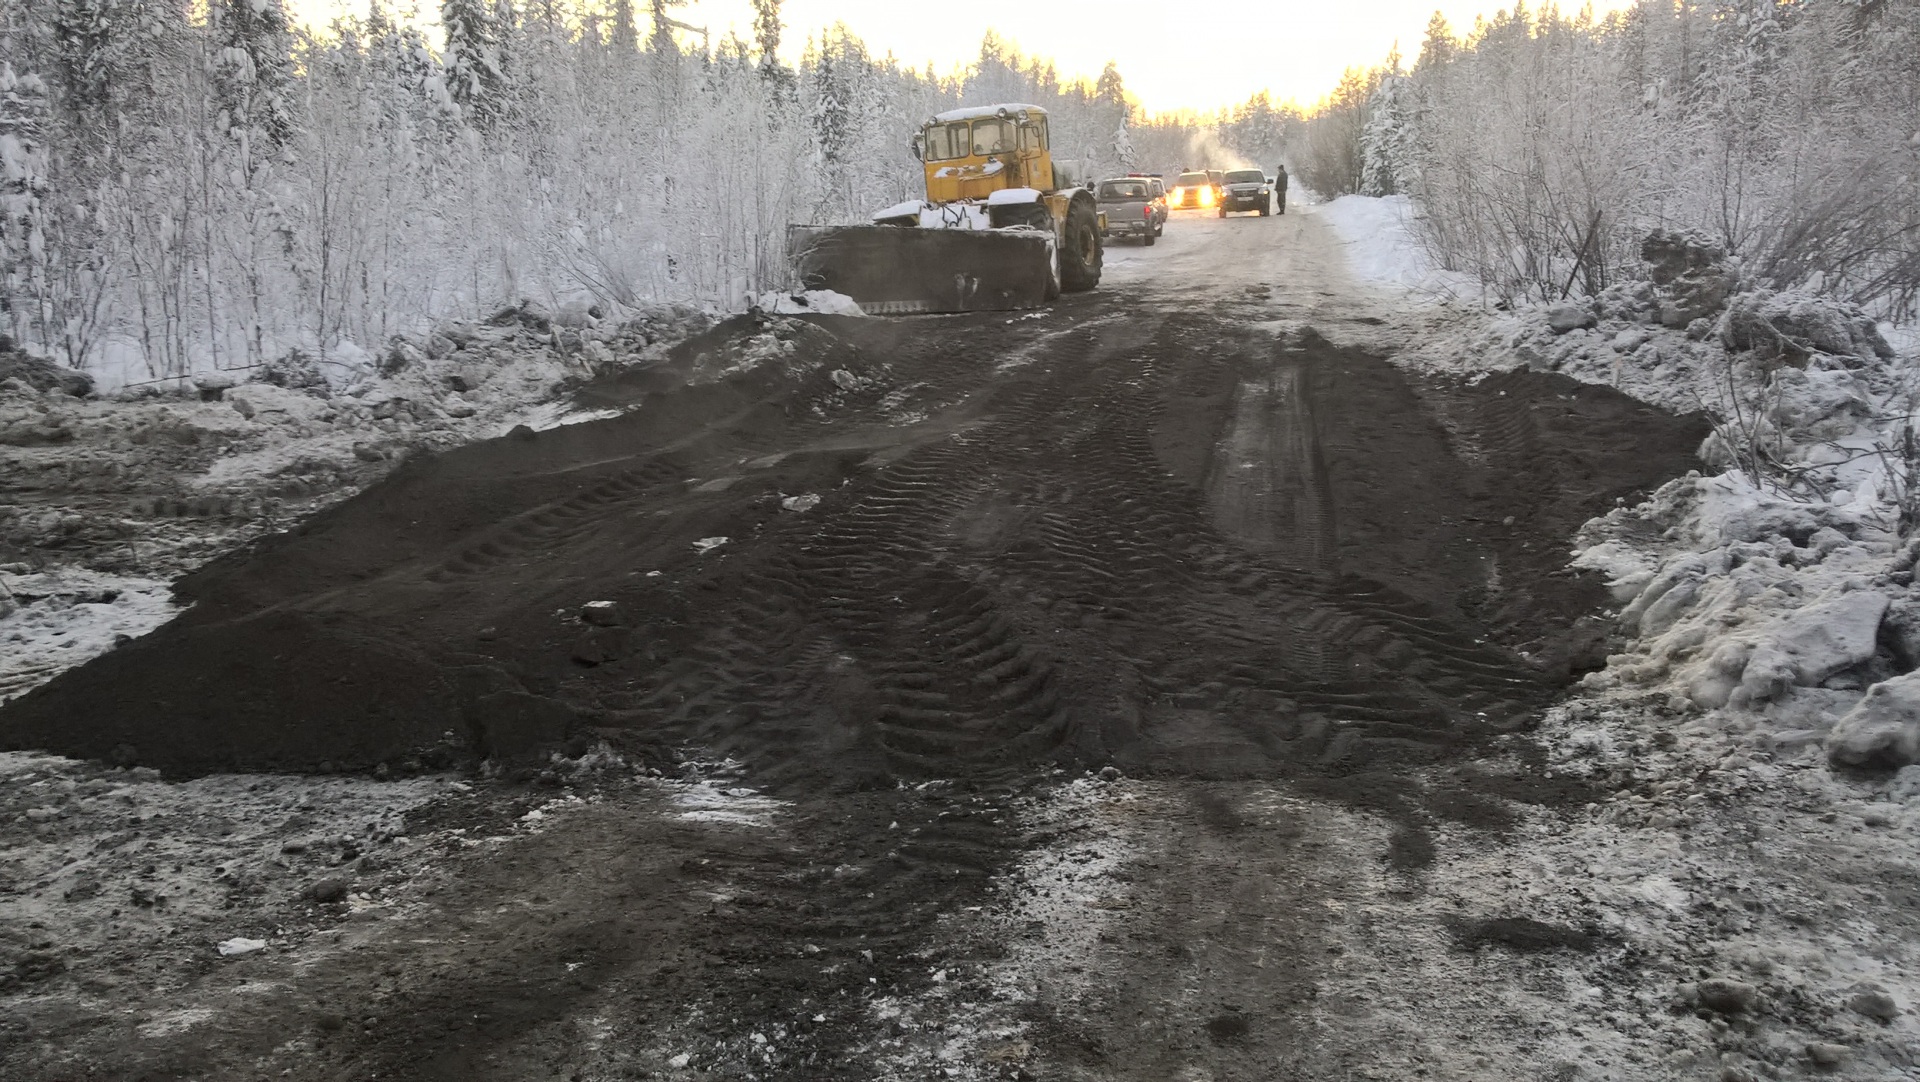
[848,551]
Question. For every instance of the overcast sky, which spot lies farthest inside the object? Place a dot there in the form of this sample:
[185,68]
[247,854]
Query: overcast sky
[1174,54]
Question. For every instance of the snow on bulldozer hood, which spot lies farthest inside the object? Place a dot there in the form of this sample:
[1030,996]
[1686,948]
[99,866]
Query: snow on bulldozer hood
[975,112]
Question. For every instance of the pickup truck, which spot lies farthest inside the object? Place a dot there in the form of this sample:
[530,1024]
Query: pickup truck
[1129,208]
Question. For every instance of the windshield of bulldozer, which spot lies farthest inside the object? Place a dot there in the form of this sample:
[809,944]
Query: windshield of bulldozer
[989,135]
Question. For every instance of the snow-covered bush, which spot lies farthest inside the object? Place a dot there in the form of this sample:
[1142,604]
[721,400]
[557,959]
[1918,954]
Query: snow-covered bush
[1784,133]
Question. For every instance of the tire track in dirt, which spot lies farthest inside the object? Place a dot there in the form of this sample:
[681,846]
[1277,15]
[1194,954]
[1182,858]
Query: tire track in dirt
[1060,562]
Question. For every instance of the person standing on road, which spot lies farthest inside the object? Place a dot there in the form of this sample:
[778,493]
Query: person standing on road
[1280,189]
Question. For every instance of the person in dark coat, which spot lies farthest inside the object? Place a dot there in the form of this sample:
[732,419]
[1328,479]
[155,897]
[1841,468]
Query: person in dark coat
[1280,189]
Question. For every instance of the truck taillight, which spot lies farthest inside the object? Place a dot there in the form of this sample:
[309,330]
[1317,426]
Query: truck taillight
[1146,211]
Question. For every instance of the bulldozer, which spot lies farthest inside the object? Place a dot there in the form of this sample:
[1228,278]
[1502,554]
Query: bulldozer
[1004,225]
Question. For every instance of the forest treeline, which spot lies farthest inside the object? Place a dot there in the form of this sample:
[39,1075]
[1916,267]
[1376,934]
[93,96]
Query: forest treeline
[211,187]
[1539,149]
[191,187]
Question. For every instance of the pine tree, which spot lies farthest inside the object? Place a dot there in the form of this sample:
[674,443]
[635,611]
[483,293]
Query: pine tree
[252,72]
[1387,140]
[109,56]
[663,24]
[766,31]
[473,76]
[1437,49]
[624,38]
[1110,89]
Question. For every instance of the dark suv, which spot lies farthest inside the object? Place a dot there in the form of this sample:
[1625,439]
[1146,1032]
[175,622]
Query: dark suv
[1245,189]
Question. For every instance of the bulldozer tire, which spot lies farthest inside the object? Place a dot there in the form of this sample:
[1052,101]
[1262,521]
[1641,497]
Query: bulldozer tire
[1080,254]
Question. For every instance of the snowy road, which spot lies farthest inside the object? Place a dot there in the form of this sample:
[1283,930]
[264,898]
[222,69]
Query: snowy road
[1135,690]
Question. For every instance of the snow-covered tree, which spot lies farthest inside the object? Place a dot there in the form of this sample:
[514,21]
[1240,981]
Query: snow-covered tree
[1387,142]
[252,73]
[474,79]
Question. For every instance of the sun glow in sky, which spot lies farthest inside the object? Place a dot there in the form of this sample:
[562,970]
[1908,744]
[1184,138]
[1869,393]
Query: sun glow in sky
[1173,54]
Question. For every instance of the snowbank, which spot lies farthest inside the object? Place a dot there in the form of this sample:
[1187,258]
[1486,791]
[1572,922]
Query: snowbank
[51,621]
[1381,247]
[819,302]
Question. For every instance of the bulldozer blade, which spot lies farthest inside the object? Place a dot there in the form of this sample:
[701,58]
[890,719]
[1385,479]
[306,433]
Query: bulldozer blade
[891,270]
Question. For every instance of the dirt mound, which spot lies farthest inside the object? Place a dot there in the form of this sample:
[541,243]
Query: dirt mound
[278,691]
[851,550]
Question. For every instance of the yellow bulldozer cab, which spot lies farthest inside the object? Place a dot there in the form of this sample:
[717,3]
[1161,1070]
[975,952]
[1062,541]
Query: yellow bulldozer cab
[972,153]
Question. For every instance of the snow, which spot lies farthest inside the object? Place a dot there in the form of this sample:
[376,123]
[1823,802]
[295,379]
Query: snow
[975,112]
[54,620]
[991,169]
[955,216]
[550,415]
[821,302]
[1884,728]
[1006,196]
[1381,247]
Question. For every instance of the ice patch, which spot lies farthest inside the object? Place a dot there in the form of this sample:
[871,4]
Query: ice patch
[551,415]
[711,794]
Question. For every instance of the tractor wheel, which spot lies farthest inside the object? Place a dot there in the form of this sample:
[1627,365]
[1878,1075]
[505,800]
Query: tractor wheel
[1080,253]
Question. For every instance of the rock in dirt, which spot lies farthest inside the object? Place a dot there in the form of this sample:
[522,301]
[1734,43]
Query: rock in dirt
[330,889]
[1875,1004]
[1883,731]
[603,614]
[240,945]
[267,403]
[213,386]
[1726,995]
[1565,317]
[43,375]
[1827,1056]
